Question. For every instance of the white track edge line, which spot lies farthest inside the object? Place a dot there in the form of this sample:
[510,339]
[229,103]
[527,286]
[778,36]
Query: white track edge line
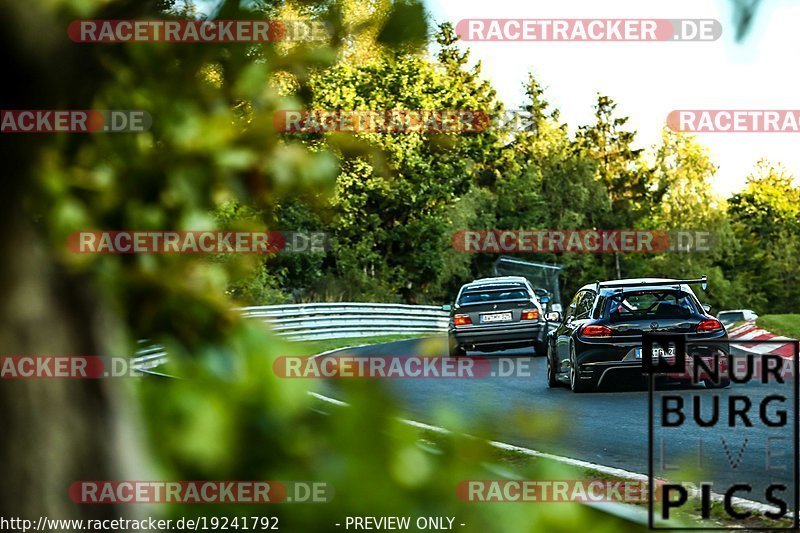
[618,472]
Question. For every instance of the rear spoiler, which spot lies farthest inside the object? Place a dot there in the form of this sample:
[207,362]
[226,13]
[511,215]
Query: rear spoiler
[633,284]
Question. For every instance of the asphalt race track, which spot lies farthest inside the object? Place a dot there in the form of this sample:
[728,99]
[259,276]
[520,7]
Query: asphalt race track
[609,427]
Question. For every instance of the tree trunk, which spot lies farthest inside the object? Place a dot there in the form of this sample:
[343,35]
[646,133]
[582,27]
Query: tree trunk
[56,431]
[53,432]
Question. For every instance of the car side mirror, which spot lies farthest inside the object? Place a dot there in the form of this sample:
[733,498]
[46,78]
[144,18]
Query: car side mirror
[447,307]
[707,308]
[553,316]
[544,299]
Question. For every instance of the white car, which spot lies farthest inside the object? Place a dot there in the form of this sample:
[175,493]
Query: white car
[736,315]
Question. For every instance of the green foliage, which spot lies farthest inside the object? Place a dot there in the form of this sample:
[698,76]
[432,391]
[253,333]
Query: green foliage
[619,166]
[766,222]
[390,211]
[405,26]
[785,325]
[770,203]
[682,174]
[400,197]
[390,202]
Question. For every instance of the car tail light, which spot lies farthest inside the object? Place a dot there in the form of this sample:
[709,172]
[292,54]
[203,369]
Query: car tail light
[530,314]
[707,326]
[462,320]
[595,331]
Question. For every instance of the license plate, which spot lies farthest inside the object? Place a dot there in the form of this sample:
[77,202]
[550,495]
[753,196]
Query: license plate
[657,352]
[496,317]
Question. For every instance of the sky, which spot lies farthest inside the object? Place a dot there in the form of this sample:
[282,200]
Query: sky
[650,79]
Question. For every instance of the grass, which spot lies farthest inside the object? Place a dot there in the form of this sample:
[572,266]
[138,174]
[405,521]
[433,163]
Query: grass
[525,466]
[785,325]
[332,344]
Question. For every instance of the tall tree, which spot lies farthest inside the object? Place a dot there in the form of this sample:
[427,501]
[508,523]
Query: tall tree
[392,204]
[766,222]
[620,168]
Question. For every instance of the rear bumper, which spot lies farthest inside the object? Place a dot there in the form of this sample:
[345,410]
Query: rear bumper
[620,349]
[599,360]
[597,372]
[505,335]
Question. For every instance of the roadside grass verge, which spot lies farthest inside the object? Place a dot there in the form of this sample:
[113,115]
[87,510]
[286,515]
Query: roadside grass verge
[510,464]
[785,325]
[520,465]
[326,345]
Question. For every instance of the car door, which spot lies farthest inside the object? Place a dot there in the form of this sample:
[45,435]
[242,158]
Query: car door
[565,329]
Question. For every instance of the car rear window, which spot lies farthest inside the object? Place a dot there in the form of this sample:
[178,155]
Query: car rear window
[473,297]
[732,317]
[650,304]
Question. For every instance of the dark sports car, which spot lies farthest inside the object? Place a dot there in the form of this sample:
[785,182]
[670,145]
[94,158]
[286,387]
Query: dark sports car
[495,314]
[600,335]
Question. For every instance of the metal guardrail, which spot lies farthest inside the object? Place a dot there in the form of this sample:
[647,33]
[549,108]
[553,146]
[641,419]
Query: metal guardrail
[149,356]
[317,321]
[344,320]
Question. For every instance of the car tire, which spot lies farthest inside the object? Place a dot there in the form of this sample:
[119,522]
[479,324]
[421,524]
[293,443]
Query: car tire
[455,349]
[724,383]
[552,382]
[540,347]
[575,384]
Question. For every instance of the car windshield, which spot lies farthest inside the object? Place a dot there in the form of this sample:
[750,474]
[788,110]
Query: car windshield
[650,304]
[493,295]
[736,316]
